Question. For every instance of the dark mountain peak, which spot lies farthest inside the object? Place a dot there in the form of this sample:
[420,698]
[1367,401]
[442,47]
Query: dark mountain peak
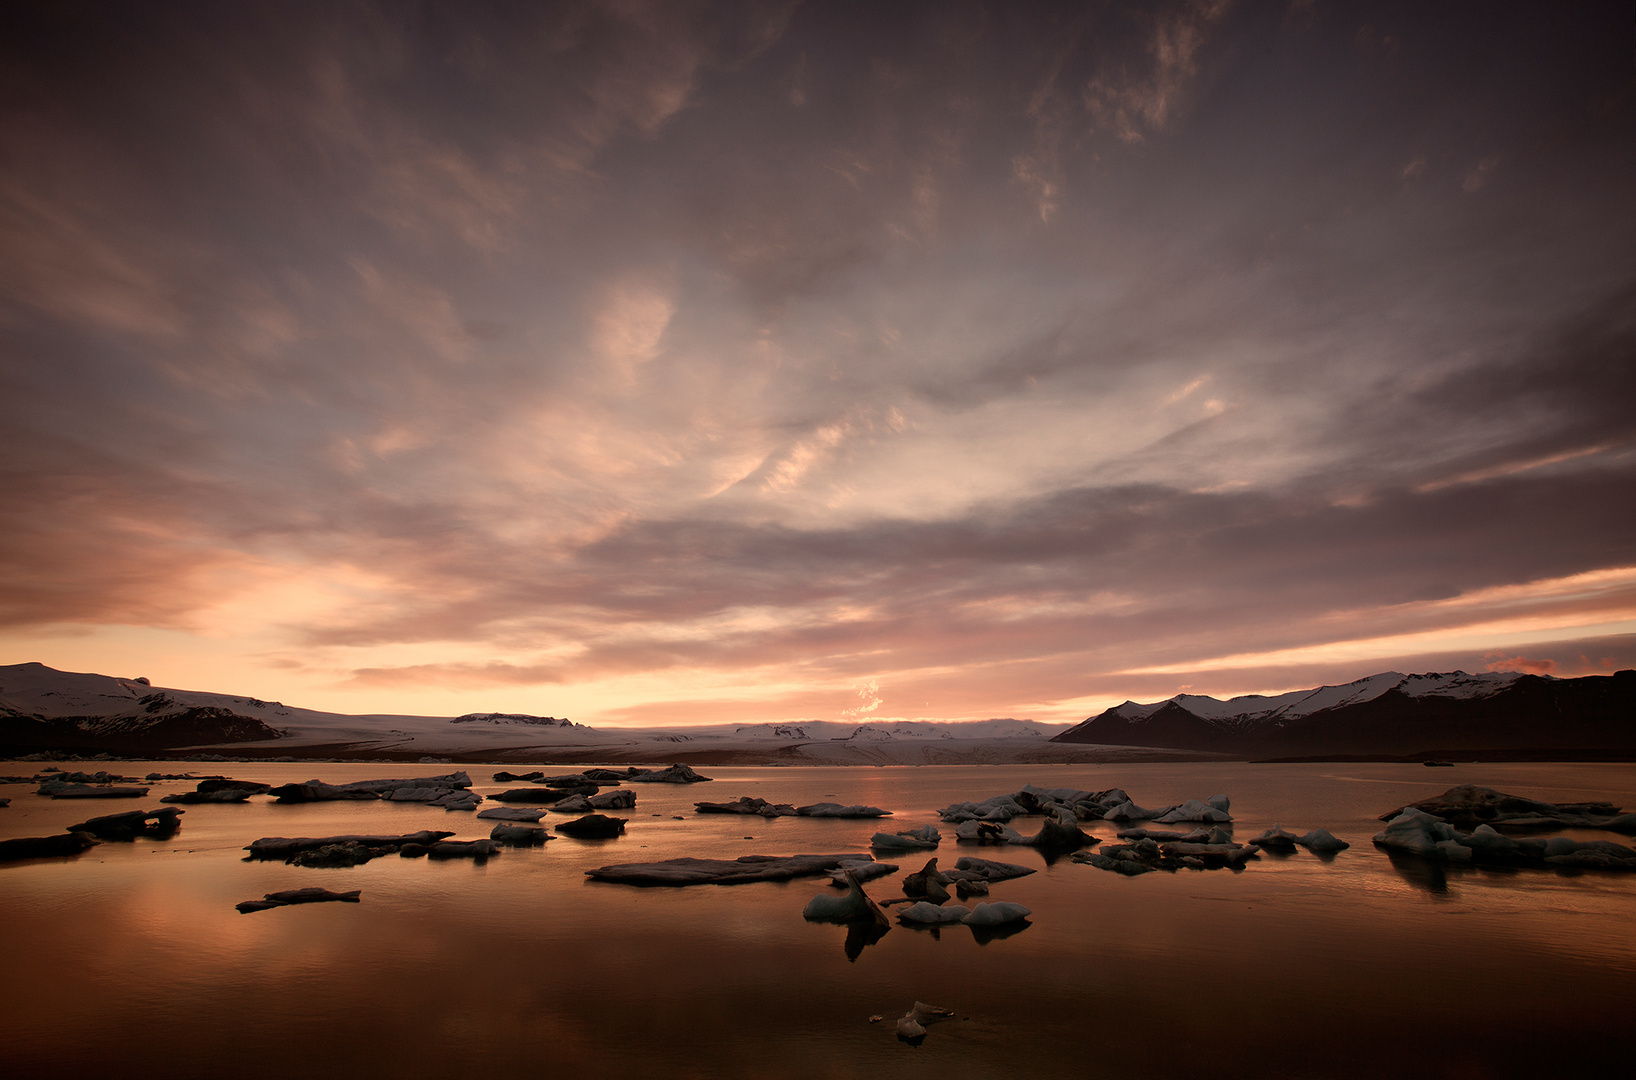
[1390,714]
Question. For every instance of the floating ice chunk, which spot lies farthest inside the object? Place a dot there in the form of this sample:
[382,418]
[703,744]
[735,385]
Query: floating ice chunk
[1193,810]
[1454,851]
[986,870]
[510,813]
[1322,842]
[1417,833]
[1129,811]
[573,804]
[744,869]
[1211,854]
[996,808]
[1196,836]
[863,870]
[746,805]
[836,810]
[987,832]
[1488,845]
[912,1024]
[676,774]
[910,840]
[617,799]
[520,835]
[996,913]
[1060,833]
[1220,802]
[1058,795]
[463,849]
[855,906]
[593,827]
[929,914]
[297,896]
[926,882]
[1276,839]
[1595,854]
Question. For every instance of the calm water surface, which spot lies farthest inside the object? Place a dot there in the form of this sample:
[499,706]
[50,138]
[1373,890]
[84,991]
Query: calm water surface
[131,959]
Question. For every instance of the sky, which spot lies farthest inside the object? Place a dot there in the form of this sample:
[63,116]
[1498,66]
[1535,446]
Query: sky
[667,363]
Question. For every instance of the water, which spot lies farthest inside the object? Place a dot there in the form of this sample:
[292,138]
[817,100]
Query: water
[131,958]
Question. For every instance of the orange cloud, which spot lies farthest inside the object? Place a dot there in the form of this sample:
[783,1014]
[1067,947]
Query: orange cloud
[1521,663]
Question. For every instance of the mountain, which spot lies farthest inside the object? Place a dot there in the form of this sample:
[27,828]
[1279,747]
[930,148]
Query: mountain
[1390,715]
[45,709]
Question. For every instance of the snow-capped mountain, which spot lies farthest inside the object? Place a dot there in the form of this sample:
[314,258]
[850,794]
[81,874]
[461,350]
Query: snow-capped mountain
[1389,714]
[41,707]
[502,719]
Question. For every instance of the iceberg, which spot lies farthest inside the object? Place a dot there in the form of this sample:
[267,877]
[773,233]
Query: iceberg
[926,913]
[995,914]
[855,906]
[911,840]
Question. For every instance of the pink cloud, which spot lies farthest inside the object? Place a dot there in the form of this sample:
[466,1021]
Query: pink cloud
[1521,663]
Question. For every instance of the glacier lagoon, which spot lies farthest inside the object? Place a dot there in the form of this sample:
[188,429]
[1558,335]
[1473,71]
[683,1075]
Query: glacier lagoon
[132,959]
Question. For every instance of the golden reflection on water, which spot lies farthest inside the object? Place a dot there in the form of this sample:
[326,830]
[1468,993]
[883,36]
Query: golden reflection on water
[132,959]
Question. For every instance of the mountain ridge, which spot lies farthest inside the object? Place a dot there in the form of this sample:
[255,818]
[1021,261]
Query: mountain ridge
[1389,714]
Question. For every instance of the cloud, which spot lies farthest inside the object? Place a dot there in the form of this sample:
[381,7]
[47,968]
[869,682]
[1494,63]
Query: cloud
[473,351]
[869,693]
[1521,663]
[1128,105]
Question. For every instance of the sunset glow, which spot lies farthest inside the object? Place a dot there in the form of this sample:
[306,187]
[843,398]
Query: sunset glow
[679,364]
